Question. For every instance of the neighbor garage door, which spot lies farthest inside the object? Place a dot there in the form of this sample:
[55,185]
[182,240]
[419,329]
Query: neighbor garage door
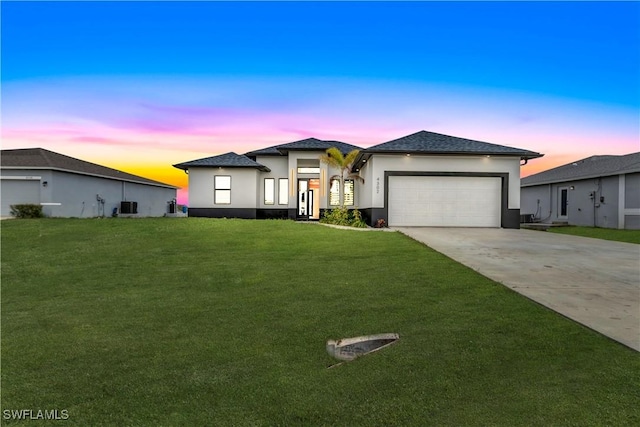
[444,201]
[16,191]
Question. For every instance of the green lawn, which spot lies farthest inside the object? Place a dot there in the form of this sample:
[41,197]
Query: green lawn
[224,322]
[629,236]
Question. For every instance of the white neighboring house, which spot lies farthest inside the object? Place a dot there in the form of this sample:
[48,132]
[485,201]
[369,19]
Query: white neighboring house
[423,179]
[70,187]
[599,191]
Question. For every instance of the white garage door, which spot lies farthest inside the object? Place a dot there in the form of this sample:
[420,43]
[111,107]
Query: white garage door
[17,191]
[444,201]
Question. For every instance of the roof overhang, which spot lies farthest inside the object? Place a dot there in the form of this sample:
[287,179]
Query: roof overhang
[578,178]
[186,167]
[365,155]
[123,179]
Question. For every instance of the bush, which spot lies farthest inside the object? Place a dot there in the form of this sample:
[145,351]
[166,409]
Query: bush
[27,211]
[342,216]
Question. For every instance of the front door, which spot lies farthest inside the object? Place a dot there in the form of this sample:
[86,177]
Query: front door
[308,199]
[563,202]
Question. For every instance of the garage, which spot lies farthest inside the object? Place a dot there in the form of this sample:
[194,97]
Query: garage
[17,191]
[444,201]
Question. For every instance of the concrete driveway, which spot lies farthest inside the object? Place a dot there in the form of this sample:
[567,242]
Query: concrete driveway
[592,281]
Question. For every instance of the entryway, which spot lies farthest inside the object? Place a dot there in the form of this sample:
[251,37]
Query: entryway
[563,202]
[308,199]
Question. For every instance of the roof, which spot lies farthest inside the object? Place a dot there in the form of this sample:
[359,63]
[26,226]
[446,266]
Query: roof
[591,167]
[227,160]
[309,144]
[39,158]
[436,143]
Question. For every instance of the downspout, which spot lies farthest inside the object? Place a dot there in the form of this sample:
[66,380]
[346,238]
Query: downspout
[596,203]
[550,202]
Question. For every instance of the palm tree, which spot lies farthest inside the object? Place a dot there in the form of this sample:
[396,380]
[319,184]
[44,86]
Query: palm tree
[335,159]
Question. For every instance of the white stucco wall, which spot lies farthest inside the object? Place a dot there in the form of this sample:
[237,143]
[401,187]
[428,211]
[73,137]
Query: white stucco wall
[375,168]
[365,191]
[278,166]
[244,191]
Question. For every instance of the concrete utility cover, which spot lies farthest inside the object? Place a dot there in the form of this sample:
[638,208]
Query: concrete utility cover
[592,281]
[350,348]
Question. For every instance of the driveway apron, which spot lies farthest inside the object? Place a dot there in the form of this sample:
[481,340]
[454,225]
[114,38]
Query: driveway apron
[594,282]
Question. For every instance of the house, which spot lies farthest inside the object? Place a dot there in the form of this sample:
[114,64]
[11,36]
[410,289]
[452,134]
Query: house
[423,179]
[283,181]
[70,187]
[599,191]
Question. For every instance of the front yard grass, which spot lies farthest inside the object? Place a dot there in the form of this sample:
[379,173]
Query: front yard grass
[224,322]
[628,236]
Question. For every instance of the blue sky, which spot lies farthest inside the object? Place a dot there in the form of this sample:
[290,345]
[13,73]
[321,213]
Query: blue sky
[166,82]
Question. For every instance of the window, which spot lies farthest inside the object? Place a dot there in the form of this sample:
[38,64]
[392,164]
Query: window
[283,191]
[308,170]
[334,192]
[269,191]
[222,190]
[348,192]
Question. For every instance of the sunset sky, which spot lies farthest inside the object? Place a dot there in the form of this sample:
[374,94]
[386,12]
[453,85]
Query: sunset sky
[140,86]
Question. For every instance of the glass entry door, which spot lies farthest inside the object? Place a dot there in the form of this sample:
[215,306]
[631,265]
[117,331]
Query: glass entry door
[563,202]
[308,199]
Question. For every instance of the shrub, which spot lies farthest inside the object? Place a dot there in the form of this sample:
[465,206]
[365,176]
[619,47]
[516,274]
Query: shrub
[342,216]
[357,220]
[27,211]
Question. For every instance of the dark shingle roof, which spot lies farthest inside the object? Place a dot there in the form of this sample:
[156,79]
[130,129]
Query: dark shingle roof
[435,143]
[591,167]
[39,158]
[309,144]
[269,151]
[227,160]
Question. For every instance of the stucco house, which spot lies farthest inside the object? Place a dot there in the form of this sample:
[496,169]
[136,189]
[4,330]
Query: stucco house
[70,187]
[599,191]
[423,179]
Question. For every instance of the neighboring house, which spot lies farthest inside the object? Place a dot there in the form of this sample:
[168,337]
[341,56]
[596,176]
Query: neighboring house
[424,179]
[69,187]
[599,191]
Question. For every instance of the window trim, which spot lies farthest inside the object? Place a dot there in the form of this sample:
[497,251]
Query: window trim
[273,191]
[217,190]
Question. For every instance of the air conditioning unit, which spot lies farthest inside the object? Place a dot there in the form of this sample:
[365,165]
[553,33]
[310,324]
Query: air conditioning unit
[128,207]
[526,218]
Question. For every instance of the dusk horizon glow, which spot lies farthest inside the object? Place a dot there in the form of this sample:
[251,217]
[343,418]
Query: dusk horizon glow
[141,86]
